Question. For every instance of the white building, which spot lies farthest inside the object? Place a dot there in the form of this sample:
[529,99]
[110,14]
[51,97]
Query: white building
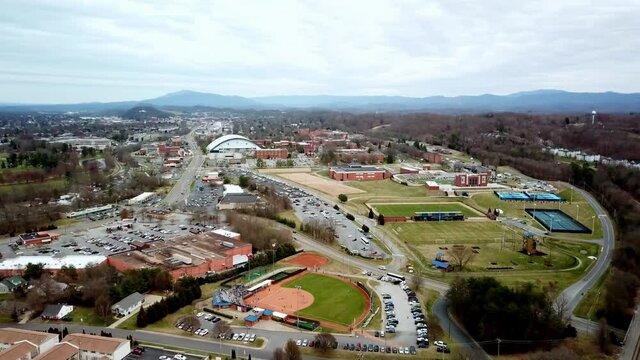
[128,305]
[231,189]
[142,198]
[230,146]
[56,311]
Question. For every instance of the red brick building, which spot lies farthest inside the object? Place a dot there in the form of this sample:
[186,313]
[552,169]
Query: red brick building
[408,170]
[271,154]
[38,238]
[171,151]
[358,173]
[465,180]
[434,158]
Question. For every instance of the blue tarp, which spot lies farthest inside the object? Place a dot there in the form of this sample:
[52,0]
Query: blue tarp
[440,264]
[251,318]
[267,312]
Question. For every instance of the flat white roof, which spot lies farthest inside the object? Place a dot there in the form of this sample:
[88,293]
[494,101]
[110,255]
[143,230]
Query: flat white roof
[141,197]
[227,233]
[432,183]
[52,262]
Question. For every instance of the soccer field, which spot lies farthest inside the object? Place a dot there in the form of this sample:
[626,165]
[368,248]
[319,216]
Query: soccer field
[334,300]
[448,232]
[409,209]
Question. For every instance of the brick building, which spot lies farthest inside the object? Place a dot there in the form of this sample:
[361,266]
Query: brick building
[434,158]
[358,173]
[192,255]
[37,238]
[271,154]
[471,180]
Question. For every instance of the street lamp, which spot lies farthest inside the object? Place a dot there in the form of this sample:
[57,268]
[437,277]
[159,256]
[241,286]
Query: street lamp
[273,252]
[578,212]
[298,306]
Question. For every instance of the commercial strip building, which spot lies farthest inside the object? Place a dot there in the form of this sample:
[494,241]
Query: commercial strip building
[358,173]
[140,199]
[190,255]
[37,238]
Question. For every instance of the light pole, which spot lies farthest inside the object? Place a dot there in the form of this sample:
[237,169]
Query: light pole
[273,252]
[593,224]
[499,341]
[298,306]
[578,212]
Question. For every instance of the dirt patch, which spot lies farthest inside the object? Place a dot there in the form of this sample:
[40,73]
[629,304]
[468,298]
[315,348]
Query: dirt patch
[308,260]
[327,186]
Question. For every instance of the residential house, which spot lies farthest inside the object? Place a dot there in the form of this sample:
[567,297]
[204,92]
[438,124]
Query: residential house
[56,311]
[14,282]
[127,305]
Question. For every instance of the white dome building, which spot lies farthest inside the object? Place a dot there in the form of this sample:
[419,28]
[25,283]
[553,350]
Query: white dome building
[231,143]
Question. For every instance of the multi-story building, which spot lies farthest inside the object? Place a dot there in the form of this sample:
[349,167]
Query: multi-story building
[358,173]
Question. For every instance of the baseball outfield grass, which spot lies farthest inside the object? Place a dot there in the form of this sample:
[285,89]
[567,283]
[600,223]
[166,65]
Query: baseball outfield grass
[410,209]
[334,300]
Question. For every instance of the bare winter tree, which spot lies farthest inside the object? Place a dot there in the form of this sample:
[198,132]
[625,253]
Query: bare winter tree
[461,255]
[325,341]
[279,354]
[292,351]
[416,283]
[221,327]
[190,321]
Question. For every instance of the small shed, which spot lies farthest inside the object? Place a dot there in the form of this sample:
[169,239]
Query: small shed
[251,320]
[56,312]
[278,316]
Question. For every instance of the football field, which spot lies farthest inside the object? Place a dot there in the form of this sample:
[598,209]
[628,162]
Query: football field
[408,210]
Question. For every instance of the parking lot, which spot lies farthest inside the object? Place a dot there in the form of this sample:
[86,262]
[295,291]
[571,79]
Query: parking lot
[206,328]
[203,195]
[151,353]
[102,240]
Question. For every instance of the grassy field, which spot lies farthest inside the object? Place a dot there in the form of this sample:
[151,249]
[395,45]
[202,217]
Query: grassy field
[593,300]
[449,232]
[410,209]
[388,188]
[84,315]
[54,184]
[290,215]
[329,292]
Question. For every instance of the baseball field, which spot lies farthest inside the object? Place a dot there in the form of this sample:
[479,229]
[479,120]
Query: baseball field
[335,300]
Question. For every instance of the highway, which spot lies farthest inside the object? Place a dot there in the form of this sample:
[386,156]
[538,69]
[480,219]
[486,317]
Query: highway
[183,186]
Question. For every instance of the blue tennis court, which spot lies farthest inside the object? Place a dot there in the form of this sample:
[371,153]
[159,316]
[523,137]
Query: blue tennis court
[544,197]
[512,196]
[557,221]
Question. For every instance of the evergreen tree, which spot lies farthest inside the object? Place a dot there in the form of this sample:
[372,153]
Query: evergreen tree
[141,321]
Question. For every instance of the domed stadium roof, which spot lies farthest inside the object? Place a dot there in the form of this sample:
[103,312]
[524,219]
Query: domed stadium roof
[232,141]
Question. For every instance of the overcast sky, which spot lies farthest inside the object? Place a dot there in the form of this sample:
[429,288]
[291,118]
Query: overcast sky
[63,51]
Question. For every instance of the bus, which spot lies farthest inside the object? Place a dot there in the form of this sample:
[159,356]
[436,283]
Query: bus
[365,241]
[396,276]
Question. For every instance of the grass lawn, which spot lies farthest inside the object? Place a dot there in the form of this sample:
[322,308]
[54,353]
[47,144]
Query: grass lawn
[86,316]
[290,215]
[130,323]
[168,324]
[388,188]
[53,184]
[448,232]
[328,292]
[410,209]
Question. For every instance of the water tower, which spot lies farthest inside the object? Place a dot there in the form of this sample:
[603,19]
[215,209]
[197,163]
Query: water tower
[593,117]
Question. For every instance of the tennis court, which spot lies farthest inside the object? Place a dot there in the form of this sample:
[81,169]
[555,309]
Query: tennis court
[512,196]
[557,221]
[544,197]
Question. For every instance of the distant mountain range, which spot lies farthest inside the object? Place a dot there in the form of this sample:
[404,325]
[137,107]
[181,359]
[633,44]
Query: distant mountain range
[539,101]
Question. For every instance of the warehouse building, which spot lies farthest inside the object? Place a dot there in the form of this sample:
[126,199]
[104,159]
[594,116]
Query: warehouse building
[37,238]
[271,154]
[191,255]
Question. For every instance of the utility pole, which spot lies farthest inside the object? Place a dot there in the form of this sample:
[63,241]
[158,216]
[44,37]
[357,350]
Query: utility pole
[499,341]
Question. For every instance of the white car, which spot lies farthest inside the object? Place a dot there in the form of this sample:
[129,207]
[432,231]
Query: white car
[204,332]
[439,343]
[298,342]
[235,337]
[197,332]
[200,314]
[400,351]
[304,342]
[179,357]
[252,338]
[241,337]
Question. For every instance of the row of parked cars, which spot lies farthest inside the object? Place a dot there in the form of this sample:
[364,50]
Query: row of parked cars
[408,350]
[390,315]
[208,317]
[422,331]
[242,337]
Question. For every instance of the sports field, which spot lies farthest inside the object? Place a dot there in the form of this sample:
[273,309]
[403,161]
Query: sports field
[447,232]
[409,209]
[334,300]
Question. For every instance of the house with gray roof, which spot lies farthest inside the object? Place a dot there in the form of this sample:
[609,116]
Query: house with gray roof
[127,305]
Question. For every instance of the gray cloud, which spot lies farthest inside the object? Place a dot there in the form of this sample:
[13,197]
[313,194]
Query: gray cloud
[64,51]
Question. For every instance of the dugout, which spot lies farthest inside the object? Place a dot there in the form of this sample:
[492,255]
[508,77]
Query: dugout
[438,216]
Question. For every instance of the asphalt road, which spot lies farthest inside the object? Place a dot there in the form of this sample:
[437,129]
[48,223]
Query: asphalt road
[182,188]
[573,294]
